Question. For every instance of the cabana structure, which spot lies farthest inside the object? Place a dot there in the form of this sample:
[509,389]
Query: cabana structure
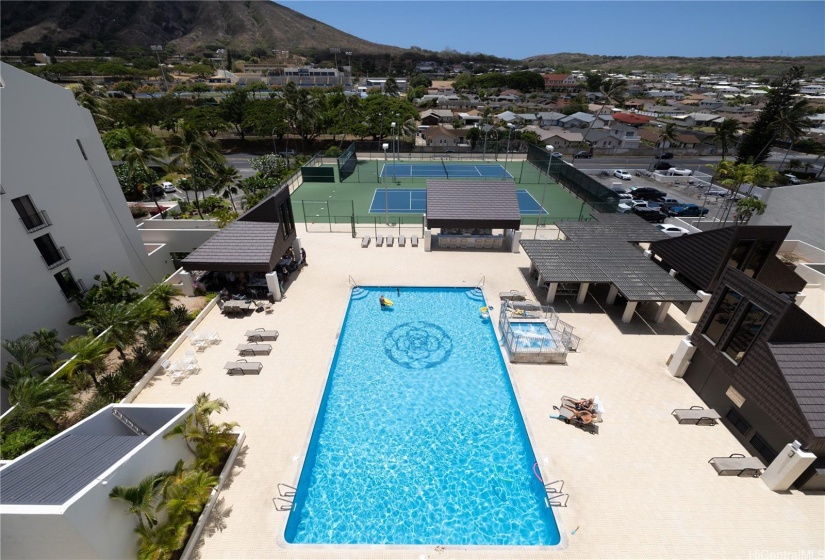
[606,252]
[468,212]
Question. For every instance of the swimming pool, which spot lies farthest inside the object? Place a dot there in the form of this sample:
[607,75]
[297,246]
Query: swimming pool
[532,336]
[419,438]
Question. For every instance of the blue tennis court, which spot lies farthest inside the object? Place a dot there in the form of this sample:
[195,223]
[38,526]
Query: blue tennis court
[414,201]
[445,170]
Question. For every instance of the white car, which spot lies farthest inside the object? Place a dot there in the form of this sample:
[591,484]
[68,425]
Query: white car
[673,231]
[679,171]
[628,205]
[622,174]
[168,187]
[792,178]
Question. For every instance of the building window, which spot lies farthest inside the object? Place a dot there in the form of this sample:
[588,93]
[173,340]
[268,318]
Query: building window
[32,218]
[763,448]
[70,287]
[757,258]
[286,218]
[745,333]
[52,255]
[722,315]
[737,258]
[741,426]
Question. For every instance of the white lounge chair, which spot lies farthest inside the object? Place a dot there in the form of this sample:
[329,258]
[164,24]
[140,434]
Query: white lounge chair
[379,241]
[414,241]
[261,334]
[365,242]
[253,349]
[242,367]
[402,241]
[696,415]
[737,465]
[390,240]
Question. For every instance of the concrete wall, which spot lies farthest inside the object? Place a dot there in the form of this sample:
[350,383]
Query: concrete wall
[799,205]
[41,124]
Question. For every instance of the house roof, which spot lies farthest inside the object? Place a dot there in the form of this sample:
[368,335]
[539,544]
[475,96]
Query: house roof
[444,131]
[631,119]
[473,204]
[688,138]
[586,117]
[555,77]
[551,116]
[240,246]
[803,366]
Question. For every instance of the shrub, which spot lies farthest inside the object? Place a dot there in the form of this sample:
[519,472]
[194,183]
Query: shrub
[114,387]
[333,151]
[141,354]
[181,314]
[17,442]
[212,203]
[93,405]
[139,211]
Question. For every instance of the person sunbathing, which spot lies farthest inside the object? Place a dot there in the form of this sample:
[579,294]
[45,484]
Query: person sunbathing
[584,416]
[580,404]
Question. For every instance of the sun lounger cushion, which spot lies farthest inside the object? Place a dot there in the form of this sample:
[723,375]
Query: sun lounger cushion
[243,368]
[402,241]
[737,465]
[379,241]
[261,335]
[253,349]
[697,416]
[390,240]
[512,296]
[414,241]
[365,242]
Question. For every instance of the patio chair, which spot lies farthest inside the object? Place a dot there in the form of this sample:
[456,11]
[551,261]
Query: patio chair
[379,241]
[737,465]
[414,241]
[696,415]
[177,377]
[191,367]
[402,241]
[365,242]
[390,240]
[213,337]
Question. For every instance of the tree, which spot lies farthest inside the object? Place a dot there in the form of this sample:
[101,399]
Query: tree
[747,207]
[123,320]
[419,80]
[141,150]
[39,402]
[300,112]
[143,499]
[207,441]
[391,87]
[725,134]
[458,122]
[195,154]
[756,142]
[207,118]
[733,175]
[790,124]
[226,176]
[88,355]
[612,91]
[232,110]
[668,135]
[91,97]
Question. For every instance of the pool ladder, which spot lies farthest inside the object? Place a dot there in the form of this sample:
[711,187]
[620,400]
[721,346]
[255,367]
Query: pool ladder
[555,496]
[285,501]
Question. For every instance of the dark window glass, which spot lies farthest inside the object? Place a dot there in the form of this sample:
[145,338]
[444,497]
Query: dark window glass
[721,316]
[739,254]
[763,448]
[740,425]
[747,330]
[27,212]
[48,249]
[287,219]
[758,257]
[67,284]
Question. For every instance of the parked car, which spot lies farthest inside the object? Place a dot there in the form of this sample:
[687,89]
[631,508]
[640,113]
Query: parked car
[647,193]
[716,191]
[673,231]
[618,190]
[667,203]
[622,174]
[624,196]
[666,155]
[688,211]
[792,178]
[584,155]
[157,191]
[662,166]
[679,171]
[628,205]
[557,155]
[653,215]
[287,153]
[168,187]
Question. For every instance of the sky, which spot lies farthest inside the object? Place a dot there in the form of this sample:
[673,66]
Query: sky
[518,30]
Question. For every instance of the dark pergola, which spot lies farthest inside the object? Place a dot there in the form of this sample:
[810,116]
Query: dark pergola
[604,252]
[472,205]
[242,246]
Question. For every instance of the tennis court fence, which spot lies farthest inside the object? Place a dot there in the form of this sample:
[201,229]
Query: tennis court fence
[369,171]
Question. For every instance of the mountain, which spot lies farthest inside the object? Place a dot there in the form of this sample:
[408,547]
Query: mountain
[190,26]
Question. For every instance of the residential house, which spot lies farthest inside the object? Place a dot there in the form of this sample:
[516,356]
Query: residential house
[618,136]
[550,118]
[557,136]
[560,81]
[509,117]
[432,117]
[441,136]
[583,120]
[527,118]
[222,76]
[697,119]
[631,119]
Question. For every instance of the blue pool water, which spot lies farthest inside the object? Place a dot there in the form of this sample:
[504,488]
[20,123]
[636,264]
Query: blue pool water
[532,336]
[419,439]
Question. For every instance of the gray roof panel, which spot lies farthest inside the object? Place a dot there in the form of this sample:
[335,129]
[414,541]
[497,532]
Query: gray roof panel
[472,200]
[246,245]
[803,366]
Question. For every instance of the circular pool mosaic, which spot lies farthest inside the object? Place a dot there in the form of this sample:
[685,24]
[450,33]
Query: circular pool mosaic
[418,345]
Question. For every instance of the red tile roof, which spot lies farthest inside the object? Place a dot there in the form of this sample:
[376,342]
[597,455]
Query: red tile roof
[628,118]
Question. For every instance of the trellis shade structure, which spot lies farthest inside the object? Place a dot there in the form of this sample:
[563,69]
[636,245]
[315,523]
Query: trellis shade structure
[601,252]
[472,204]
[240,246]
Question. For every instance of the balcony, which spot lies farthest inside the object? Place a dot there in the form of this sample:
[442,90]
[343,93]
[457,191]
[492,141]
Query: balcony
[74,291]
[60,256]
[36,221]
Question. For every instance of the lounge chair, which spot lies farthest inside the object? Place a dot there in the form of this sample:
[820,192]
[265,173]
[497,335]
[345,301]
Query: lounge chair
[390,240]
[242,367]
[737,465]
[402,241]
[261,334]
[696,415]
[512,295]
[414,241]
[379,241]
[365,242]
[254,349]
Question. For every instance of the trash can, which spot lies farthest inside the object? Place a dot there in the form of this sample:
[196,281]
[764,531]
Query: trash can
[271,297]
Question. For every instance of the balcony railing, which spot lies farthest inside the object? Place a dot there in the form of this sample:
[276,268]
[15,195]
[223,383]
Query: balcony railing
[61,256]
[36,221]
[71,293]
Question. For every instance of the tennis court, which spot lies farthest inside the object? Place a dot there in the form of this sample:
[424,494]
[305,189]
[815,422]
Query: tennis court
[414,201]
[444,170]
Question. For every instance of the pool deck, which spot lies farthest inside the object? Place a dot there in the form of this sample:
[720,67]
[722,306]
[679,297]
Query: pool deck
[640,488]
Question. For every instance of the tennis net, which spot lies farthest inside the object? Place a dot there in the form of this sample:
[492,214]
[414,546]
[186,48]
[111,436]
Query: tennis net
[444,165]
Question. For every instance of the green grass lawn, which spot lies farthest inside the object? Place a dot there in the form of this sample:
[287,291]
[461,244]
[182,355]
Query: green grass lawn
[338,202]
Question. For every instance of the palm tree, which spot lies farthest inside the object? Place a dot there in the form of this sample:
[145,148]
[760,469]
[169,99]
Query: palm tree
[391,87]
[91,97]
[207,441]
[790,124]
[142,150]
[188,495]
[725,134]
[194,153]
[668,135]
[40,402]
[612,90]
[122,319]
[164,293]
[226,176]
[143,499]
[301,113]
[159,542]
[348,113]
[88,355]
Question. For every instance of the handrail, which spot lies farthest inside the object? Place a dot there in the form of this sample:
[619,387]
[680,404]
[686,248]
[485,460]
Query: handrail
[481,282]
[128,423]
[290,493]
[549,486]
[556,500]
[285,507]
[352,281]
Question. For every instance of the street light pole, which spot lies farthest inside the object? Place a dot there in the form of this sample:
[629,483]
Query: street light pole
[349,64]
[543,192]
[509,132]
[386,192]
[392,140]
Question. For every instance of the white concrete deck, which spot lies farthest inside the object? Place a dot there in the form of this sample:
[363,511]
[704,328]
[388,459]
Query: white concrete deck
[641,488]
